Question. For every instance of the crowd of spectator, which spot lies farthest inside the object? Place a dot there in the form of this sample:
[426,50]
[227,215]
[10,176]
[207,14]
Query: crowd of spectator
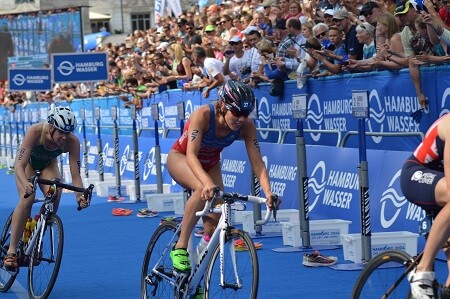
[254,42]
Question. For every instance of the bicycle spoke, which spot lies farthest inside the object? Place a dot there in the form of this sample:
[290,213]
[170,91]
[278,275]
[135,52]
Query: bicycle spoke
[380,275]
[243,264]
[44,264]
[6,277]
[159,284]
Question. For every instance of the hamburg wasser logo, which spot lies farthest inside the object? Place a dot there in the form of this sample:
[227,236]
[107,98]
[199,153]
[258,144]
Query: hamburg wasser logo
[65,68]
[150,163]
[19,79]
[317,183]
[391,202]
[314,119]
[188,109]
[161,112]
[377,115]
[264,117]
[444,110]
[124,160]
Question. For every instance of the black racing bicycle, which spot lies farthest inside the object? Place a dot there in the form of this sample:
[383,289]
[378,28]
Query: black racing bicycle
[42,252]
[385,275]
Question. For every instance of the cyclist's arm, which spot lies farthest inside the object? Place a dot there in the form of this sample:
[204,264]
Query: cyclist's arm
[73,148]
[23,154]
[254,154]
[197,127]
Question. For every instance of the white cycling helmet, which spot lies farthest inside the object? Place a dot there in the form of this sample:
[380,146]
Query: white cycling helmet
[62,118]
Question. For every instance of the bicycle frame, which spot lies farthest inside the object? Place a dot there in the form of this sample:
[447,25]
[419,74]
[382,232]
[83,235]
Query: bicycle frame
[218,237]
[37,231]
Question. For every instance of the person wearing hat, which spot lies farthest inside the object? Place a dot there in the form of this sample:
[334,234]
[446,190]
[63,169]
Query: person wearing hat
[181,24]
[407,13]
[328,17]
[239,63]
[371,12]
[353,48]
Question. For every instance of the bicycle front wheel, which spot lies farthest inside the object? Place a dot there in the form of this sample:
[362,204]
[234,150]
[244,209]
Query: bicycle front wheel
[6,277]
[240,269]
[379,276]
[155,285]
[46,258]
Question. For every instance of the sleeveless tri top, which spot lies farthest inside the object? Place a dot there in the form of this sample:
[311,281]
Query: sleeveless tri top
[211,146]
[431,149]
[40,156]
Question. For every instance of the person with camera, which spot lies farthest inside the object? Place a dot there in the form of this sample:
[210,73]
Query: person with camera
[239,63]
[290,47]
[213,67]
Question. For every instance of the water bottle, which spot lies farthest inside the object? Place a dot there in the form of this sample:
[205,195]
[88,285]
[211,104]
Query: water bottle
[301,79]
[27,231]
[202,245]
[33,223]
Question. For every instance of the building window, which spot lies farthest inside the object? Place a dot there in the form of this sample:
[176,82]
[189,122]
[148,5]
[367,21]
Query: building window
[24,1]
[99,26]
[140,21]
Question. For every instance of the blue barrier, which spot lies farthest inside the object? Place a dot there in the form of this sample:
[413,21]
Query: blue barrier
[333,183]
[391,95]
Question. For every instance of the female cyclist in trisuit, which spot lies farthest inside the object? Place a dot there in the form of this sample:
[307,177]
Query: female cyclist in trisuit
[194,159]
[41,145]
[424,182]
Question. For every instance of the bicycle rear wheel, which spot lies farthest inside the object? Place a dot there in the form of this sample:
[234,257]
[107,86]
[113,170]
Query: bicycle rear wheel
[44,263]
[154,285]
[244,264]
[381,273]
[6,277]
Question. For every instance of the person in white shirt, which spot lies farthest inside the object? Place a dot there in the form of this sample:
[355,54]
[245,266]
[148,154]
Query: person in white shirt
[212,67]
[240,63]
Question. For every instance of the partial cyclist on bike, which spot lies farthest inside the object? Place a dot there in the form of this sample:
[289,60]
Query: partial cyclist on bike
[41,145]
[194,161]
[424,182]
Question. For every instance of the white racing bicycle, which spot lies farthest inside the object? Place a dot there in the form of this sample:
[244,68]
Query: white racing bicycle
[226,272]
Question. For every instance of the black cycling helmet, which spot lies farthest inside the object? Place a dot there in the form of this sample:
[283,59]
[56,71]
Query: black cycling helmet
[237,96]
[62,118]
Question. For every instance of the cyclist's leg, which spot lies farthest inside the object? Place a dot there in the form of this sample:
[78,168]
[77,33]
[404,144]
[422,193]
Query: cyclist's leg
[21,212]
[210,221]
[183,175]
[48,173]
[440,230]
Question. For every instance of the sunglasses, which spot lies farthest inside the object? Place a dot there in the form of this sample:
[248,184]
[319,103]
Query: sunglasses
[369,13]
[239,114]
[247,47]
[233,43]
[320,35]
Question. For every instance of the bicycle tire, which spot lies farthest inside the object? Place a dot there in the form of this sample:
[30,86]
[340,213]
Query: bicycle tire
[381,273]
[6,277]
[153,285]
[246,264]
[44,265]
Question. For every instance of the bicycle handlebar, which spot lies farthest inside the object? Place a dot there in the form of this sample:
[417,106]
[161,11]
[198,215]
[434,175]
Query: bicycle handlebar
[87,192]
[240,197]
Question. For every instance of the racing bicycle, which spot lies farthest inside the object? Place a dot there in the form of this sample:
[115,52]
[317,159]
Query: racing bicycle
[226,272]
[385,275]
[42,252]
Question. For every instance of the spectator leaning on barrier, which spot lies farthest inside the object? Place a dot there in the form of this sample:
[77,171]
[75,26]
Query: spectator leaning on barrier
[211,66]
[338,55]
[239,63]
[442,33]
[353,48]
[407,12]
